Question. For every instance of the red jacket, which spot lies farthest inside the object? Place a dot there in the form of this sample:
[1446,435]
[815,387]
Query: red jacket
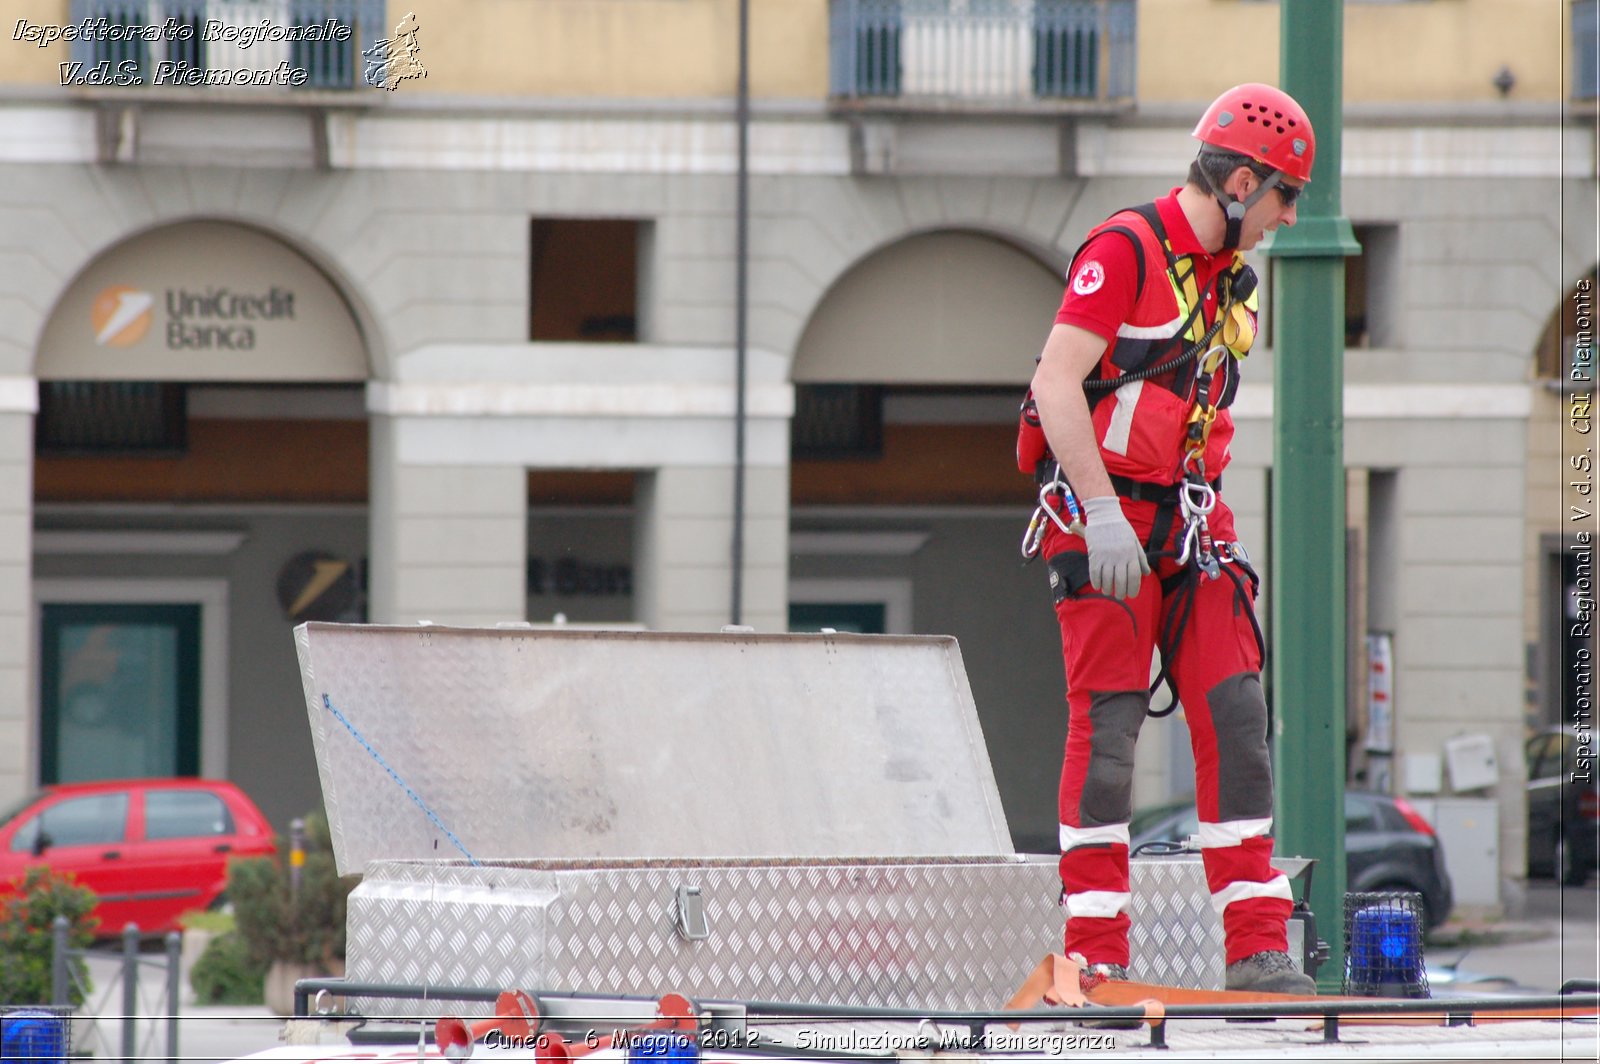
[1141,425]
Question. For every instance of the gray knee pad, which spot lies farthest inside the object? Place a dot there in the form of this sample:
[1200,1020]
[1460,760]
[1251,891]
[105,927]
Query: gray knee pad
[1108,786]
[1244,771]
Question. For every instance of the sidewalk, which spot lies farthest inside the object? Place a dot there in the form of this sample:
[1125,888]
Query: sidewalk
[1556,939]
[206,1033]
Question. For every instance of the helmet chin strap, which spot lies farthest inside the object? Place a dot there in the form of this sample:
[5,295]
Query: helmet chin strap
[1233,209]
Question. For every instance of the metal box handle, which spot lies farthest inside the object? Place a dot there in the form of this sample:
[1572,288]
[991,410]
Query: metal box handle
[691,914]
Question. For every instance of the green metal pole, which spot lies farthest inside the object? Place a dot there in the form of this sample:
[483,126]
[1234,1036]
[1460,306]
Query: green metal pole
[1307,562]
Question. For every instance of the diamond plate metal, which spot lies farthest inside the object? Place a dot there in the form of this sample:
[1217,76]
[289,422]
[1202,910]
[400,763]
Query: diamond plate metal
[615,744]
[937,933]
[1176,937]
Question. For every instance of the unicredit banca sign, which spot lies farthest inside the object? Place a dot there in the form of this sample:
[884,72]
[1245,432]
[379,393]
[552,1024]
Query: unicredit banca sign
[210,319]
[202,301]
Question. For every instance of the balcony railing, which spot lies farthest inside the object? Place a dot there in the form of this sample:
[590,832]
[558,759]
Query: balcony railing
[1585,49]
[299,44]
[983,51]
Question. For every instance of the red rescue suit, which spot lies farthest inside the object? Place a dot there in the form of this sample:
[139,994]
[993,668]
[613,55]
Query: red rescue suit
[1152,290]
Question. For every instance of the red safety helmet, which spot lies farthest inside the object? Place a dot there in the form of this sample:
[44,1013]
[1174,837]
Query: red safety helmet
[1263,123]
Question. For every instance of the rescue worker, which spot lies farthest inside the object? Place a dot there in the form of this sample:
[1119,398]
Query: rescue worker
[1127,427]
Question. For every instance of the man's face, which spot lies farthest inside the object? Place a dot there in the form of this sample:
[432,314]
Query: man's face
[1268,212]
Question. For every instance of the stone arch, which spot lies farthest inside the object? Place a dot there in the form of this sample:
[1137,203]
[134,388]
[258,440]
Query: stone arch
[1552,353]
[956,306]
[195,256]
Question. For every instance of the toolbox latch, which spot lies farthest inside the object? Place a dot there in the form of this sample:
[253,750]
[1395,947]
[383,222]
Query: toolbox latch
[691,914]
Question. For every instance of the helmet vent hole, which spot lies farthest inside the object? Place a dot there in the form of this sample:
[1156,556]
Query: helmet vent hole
[1250,118]
[1280,129]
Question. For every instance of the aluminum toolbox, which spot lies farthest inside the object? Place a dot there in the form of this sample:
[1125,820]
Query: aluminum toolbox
[770,817]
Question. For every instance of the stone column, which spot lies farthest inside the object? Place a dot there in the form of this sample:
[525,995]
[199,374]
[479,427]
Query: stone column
[18,719]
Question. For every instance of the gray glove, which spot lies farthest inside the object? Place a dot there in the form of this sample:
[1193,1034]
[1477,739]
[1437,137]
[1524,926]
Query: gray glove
[1116,557]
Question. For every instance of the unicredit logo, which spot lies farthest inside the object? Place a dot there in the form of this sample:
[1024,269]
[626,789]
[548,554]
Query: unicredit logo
[121,316]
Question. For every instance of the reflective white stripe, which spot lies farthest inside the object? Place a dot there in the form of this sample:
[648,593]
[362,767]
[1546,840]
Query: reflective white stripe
[1151,332]
[1101,903]
[1071,837]
[1233,832]
[1121,425]
[1276,887]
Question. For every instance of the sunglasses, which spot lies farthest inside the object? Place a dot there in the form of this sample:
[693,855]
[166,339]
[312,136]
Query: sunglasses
[1287,193]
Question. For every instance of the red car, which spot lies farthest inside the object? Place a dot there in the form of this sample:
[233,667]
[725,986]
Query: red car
[150,849]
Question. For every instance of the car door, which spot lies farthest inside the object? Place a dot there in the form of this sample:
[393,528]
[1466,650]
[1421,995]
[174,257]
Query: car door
[83,836]
[1366,844]
[183,853]
[1545,782]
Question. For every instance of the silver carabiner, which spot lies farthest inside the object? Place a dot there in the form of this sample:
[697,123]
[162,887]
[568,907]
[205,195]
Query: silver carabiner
[1033,538]
[1191,536]
[1198,498]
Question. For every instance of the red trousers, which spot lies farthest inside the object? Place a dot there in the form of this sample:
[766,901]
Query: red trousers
[1108,646]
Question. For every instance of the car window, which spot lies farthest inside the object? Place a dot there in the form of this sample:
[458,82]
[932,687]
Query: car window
[1145,819]
[1569,757]
[17,810]
[91,820]
[185,815]
[1545,758]
[1532,751]
[1360,814]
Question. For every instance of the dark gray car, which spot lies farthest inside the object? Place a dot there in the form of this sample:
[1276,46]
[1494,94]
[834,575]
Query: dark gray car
[1388,845]
[1563,807]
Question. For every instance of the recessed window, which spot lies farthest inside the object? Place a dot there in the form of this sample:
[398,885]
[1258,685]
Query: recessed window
[837,421]
[584,276]
[1585,49]
[1371,288]
[99,417]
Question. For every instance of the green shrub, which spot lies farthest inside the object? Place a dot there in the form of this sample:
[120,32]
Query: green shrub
[279,925]
[26,941]
[227,974]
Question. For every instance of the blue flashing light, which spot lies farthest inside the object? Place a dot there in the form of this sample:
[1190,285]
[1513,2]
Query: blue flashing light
[37,1036]
[1386,951]
[663,1047]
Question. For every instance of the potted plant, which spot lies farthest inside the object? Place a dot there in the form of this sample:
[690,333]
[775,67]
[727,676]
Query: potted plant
[294,931]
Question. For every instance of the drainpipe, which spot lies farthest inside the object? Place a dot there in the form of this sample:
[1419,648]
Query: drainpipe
[1308,512]
[741,313]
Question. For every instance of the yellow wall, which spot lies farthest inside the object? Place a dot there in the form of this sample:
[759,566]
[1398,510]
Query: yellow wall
[1427,51]
[24,63]
[1233,42]
[1188,50]
[621,48]
[609,48]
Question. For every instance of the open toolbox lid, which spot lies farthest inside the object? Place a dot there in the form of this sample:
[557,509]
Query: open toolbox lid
[515,742]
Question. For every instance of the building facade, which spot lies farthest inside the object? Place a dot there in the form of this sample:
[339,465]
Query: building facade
[465,349]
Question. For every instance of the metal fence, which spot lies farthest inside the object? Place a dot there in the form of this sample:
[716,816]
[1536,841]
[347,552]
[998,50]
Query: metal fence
[136,1010]
[983,50]
[1585,49]
[178,42]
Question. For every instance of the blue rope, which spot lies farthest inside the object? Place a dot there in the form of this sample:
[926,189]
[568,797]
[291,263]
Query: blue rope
[328,704]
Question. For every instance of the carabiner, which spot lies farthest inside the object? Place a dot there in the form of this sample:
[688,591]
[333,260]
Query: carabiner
[1197,499]
[1033,538]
